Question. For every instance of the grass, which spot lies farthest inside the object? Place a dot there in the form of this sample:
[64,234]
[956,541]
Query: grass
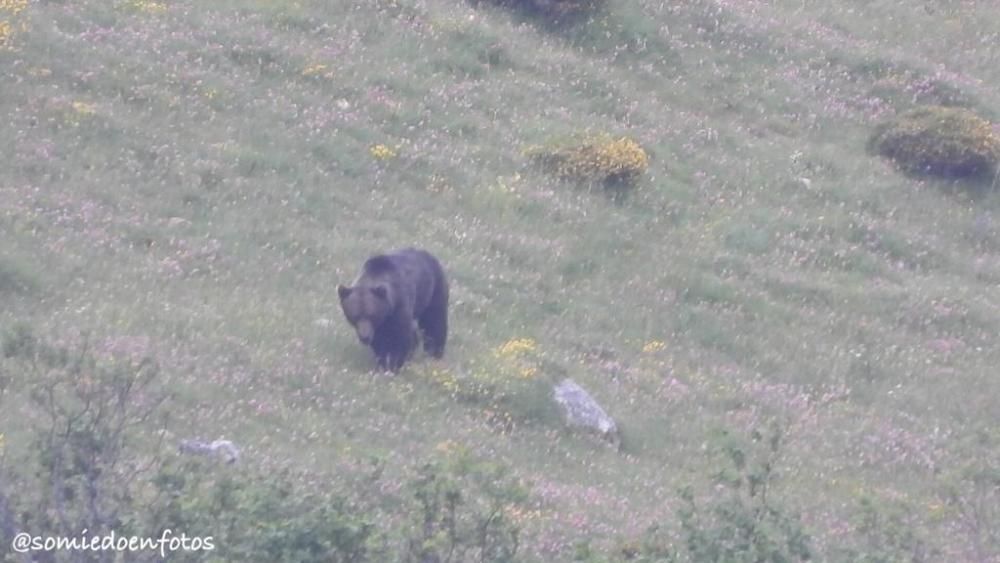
[197,177]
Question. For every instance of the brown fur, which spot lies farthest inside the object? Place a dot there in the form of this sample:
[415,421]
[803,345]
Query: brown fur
[397,296]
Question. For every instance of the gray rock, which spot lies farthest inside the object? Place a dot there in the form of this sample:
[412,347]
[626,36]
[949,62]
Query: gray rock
[224,448]
[582,411]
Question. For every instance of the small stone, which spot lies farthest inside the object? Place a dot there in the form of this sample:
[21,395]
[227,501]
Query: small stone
[582,411]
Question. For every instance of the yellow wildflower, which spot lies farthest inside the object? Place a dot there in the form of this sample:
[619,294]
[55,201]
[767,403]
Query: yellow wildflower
[653,346]
[381,152]
[84,108]
[446,446]
[148,6]
[316,70]
[515,347]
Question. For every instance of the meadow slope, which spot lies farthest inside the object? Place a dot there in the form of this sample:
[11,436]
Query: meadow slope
[189,181]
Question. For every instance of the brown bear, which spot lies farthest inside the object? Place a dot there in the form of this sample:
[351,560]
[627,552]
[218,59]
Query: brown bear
[395,295]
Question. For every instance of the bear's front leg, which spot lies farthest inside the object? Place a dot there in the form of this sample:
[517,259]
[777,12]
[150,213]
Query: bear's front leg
[393,345]
[390,360]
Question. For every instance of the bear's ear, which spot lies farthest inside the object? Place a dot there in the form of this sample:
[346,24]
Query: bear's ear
[343,291]
[381,292]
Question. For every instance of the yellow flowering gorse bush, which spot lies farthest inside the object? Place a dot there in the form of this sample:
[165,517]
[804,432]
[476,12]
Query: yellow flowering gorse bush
[10,11]
[593,159]
[493,381]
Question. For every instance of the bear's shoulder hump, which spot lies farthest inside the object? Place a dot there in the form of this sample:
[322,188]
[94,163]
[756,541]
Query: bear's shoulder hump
[379,265]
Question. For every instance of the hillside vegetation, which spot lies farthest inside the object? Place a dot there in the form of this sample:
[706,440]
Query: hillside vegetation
[797,340]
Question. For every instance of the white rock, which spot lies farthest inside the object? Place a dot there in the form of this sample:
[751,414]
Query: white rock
[582,411]
[225,448]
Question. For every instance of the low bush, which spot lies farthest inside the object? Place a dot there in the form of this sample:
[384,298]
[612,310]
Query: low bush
[740,522]
[938,141]
[463,509]
[553,12]
[614,162]
[507,384]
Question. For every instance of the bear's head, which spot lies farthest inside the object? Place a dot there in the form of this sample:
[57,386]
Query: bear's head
[366,307]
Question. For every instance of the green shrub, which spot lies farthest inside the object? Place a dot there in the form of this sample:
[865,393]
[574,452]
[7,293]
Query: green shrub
[82,461]
[884,532]
[593,159]
[938,141]
[92,464]
[453,507]
[256,517]
[741,524]
[463,509]
[553,11]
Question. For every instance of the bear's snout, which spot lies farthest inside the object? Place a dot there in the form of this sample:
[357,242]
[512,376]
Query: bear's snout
[365,332]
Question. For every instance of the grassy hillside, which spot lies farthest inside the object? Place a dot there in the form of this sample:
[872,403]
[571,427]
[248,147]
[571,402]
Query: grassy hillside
[188,181]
